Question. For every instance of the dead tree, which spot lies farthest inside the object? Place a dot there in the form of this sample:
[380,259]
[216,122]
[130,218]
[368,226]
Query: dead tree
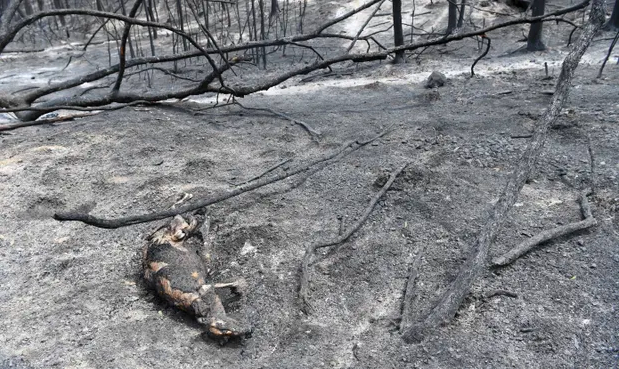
[613,22]
[420,325]
[398,34]
[452,17]
[534,40]
[28,108]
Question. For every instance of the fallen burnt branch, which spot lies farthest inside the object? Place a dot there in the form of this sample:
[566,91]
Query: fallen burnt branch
[550,234]
[238,91]
[12,126]
[305,126]
[410,294]
[119,97]
[345,149]
[448,304]
[311,249]
[267,171]
[6,37]
[483,37]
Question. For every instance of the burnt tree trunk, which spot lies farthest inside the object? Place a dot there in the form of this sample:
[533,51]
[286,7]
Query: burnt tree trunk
[398,34]
[613,22]
[417,326]
[58,5]
[181,21]
[452,18]
[274,10]
[28,7]
[534,40]
[461,17]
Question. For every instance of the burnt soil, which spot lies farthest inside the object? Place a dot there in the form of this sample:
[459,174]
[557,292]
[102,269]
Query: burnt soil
[72,295]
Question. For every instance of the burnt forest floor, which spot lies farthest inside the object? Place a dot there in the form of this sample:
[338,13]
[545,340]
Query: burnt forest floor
[72,295]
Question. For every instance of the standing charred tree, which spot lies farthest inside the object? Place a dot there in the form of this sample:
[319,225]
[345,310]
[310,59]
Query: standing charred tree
[274,11]
[461,17]
[534,40]
[28,7]
[398,34]
[181,21]
[452,18]
[613,22]
[58,5]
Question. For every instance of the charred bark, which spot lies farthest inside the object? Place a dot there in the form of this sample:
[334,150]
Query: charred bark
[534,40]
[398,34]
[452,18]
[448,304]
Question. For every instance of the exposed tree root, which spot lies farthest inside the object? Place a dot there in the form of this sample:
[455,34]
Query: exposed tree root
[345,149]
[483,37]
[311,249]
[305,126]
[448,304]
[550,234]
[410,293]
[269,170]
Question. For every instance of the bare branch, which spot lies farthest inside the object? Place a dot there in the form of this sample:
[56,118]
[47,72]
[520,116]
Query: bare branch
[483,37]
[367,21]
[346,149]
[305,126]
[450,301]
[345,16]
[311,249]
[550,234]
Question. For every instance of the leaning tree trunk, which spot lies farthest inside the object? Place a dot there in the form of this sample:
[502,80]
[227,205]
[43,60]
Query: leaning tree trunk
[417,326]
[613,22]
[398,34]
[534,41]
[9,8]
[453,16]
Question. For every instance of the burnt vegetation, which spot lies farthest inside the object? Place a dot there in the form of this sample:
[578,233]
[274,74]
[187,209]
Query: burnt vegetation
[200,44]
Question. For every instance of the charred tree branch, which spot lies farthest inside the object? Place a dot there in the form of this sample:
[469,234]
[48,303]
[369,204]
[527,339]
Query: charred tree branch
[447,305]
[311,249]
[545,236]
[483,37]
[345,149]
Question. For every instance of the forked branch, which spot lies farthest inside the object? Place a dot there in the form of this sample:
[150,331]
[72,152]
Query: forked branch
[448,304]
[311,249]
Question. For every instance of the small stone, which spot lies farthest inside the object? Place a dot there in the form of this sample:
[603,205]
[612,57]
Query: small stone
[248,248]
[436,79]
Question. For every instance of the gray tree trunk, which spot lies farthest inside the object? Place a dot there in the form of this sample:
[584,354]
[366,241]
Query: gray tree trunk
[461,16]
[534,40]
[452,20]
[613,22]
[28,7]
[398,34]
